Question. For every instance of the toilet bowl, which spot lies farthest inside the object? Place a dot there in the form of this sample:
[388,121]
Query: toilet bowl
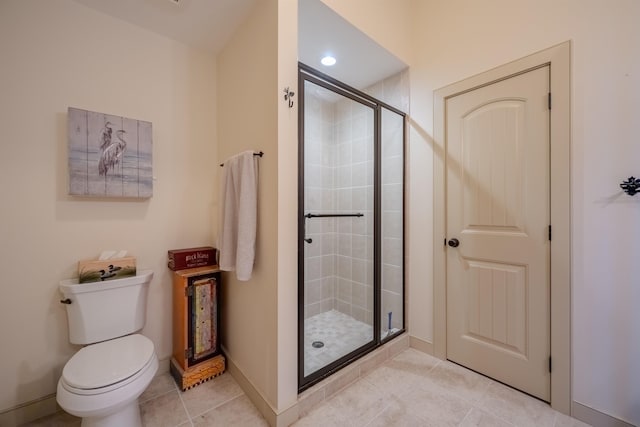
[102,382]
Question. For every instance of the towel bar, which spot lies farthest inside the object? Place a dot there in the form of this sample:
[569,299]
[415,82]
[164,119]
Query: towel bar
[259,154]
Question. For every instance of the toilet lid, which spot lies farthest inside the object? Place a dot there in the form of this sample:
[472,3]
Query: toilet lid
[108,362]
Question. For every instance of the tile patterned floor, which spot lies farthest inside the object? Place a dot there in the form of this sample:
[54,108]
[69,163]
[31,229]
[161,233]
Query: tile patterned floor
[341,334]
[411,390]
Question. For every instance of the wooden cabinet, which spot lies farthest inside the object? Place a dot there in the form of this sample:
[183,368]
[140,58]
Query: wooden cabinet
[196,355]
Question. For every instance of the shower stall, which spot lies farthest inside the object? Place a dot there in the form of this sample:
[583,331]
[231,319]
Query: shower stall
[351,224]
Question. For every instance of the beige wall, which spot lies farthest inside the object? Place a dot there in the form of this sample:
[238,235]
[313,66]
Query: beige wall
[260,316]
[57,54]
[248,120]
[460,38]
[287,205]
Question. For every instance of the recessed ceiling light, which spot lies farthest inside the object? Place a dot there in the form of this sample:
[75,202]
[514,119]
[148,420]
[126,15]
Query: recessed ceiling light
[328,60]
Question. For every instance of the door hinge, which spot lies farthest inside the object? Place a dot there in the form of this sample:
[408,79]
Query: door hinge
[188,353]
[549,364]
[549,232]
[188,291]
[549,99]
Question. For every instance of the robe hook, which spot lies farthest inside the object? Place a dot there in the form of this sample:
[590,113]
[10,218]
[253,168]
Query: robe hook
[288,96]
[631,186]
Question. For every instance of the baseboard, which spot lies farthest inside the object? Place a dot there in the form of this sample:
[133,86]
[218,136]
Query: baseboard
[163,366]
[596,418]
[29,411]
[421,345]
[282,419]
[252,392]
[47,405]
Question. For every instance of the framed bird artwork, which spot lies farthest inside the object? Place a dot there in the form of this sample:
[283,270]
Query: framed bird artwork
[109,156]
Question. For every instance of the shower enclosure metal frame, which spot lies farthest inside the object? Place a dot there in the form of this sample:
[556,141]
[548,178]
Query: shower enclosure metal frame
[306,73]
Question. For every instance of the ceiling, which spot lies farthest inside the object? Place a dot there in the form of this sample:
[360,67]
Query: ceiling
[209,24]
[360,60]
[204,24]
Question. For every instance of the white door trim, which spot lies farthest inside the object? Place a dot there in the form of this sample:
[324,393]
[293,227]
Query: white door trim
[559,59]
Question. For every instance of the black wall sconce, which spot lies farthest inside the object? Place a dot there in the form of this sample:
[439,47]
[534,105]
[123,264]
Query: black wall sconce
[631,186]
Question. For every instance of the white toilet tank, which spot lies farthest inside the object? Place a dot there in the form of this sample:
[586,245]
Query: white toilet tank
[101,311]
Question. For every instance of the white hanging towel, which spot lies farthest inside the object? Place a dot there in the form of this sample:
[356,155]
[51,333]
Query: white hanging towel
[238,219]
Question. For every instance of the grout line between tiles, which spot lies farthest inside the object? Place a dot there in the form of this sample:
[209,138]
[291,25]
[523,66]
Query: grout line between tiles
[466,416]
[384,408]
[493,414]
[140,402]
[185,409]
[215,407]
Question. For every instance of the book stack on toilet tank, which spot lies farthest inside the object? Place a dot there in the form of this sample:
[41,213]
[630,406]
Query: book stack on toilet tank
[196,356]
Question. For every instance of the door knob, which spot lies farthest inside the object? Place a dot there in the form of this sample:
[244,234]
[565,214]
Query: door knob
[454,243]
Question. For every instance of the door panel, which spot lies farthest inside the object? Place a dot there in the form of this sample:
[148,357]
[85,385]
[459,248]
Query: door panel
[338,218]
[497,305]
[493,156]
[498,316]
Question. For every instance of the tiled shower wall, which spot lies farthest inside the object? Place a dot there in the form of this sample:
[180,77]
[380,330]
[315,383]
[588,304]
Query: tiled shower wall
[354,184]
[339,179]
[320,197]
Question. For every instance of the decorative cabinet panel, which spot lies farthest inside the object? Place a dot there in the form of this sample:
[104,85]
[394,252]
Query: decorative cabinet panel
[196,343]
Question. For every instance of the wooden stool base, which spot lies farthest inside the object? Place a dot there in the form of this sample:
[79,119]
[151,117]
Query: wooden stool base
[196,374]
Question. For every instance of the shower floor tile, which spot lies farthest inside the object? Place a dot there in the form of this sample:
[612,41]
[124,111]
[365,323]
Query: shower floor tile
[340,335]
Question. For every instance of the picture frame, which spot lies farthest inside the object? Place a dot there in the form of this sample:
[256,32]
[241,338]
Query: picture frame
[109,156]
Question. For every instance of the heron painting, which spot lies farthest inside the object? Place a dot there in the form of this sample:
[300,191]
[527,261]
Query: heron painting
[109,156]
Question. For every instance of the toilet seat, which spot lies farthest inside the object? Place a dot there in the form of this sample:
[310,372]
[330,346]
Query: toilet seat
[108,365]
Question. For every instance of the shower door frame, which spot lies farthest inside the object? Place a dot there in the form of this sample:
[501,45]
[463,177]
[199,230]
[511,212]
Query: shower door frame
[307,73]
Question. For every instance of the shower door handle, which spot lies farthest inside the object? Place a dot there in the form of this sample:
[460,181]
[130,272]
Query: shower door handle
[304,230]
[310,215]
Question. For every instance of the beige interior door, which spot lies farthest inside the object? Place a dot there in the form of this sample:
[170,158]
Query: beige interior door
[497,221]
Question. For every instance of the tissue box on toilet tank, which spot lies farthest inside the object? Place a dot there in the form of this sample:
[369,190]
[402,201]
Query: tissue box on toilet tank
[94,270]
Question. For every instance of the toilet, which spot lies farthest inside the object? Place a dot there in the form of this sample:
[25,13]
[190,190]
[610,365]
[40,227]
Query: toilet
[101,383]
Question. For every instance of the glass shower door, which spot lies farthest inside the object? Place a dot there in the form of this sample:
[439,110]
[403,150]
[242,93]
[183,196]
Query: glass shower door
[337,249]
[392,223]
